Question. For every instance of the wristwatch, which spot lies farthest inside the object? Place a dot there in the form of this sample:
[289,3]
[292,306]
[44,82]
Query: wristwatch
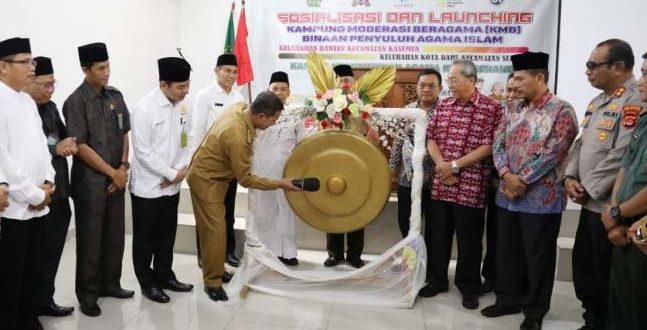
[455,167]
[126,165]
[615,213]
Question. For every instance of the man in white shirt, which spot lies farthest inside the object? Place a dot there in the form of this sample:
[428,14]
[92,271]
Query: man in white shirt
[208,105]
[269,215]
[159,137]
[26,163]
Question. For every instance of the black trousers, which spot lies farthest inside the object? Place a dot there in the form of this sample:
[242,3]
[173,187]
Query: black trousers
[230,218]
[100,230]
[354,240]
[628,289]
[592,267]
[154,229]
[21,260]
[526,254]
[468,224]
[57,223]
[488,269]
[404,207]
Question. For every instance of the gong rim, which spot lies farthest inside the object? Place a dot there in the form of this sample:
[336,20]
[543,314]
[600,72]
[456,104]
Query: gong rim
[355,181]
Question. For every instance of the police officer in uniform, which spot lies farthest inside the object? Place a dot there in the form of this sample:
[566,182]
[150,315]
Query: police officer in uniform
[97,116]
[592,168]
[57,220]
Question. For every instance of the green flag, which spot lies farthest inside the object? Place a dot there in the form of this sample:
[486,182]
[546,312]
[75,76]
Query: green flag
[231,36]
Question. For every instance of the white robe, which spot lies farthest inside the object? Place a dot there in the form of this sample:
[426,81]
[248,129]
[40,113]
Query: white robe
[269,215]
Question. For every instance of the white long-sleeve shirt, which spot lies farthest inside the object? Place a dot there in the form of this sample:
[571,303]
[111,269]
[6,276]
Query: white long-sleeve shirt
[24,156]
[208,105]
[157,126]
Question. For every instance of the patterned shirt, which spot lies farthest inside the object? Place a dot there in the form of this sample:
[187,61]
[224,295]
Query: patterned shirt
[459,129]
[402,154]
[533,141]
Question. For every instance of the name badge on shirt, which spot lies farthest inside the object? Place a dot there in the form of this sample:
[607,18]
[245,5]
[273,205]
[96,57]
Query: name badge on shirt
[218,104]
[183,139]
[120,121]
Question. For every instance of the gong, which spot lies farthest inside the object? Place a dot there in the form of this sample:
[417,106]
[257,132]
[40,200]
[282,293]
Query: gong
[354,177]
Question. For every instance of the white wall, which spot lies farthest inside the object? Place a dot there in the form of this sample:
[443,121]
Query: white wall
[585,23]
[135,32]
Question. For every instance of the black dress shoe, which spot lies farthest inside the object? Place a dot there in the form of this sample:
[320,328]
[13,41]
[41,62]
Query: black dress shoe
[530,324]
[91,310]
[331,262]
[496,311]
[55,310]
[356,262]
[487,287]
[232,260]
[155,294]
[471,302]
[226,277]
[289,262]
[175,285]
[429,291]
[216,294]
[118,293]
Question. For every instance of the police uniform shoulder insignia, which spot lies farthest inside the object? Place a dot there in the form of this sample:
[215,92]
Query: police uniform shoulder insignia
[585,121]
[619,92]
[630,114]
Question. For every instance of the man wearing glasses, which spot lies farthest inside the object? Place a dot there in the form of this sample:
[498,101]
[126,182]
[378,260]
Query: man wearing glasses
[592,168]
[57,221]
[26,163]
[459,140]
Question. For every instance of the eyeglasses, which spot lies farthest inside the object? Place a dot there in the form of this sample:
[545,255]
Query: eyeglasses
[28,61]
[594,65]
[454,81]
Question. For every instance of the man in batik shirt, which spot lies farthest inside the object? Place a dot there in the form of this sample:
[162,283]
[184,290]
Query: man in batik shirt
[530,150]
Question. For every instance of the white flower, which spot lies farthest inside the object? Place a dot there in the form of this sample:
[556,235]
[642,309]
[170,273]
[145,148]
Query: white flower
[320,105]
[330,110]
[340,102]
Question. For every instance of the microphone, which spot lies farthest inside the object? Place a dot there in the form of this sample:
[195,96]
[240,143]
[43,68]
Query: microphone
[307,184]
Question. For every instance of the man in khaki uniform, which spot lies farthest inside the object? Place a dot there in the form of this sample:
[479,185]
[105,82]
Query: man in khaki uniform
[592,168]
[225,154]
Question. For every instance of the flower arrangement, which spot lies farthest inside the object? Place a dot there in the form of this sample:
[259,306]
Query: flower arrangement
[336,107]
[335,104]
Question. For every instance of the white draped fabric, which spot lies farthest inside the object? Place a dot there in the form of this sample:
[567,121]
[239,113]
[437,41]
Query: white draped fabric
[393,279]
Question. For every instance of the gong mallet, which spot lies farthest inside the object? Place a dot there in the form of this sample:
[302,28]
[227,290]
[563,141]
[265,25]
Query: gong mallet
[307,184]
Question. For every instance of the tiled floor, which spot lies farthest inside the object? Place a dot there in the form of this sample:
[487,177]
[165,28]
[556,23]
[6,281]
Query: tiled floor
[261,311]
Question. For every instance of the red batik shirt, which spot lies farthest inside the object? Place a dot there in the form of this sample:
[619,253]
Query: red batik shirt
[459,129]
